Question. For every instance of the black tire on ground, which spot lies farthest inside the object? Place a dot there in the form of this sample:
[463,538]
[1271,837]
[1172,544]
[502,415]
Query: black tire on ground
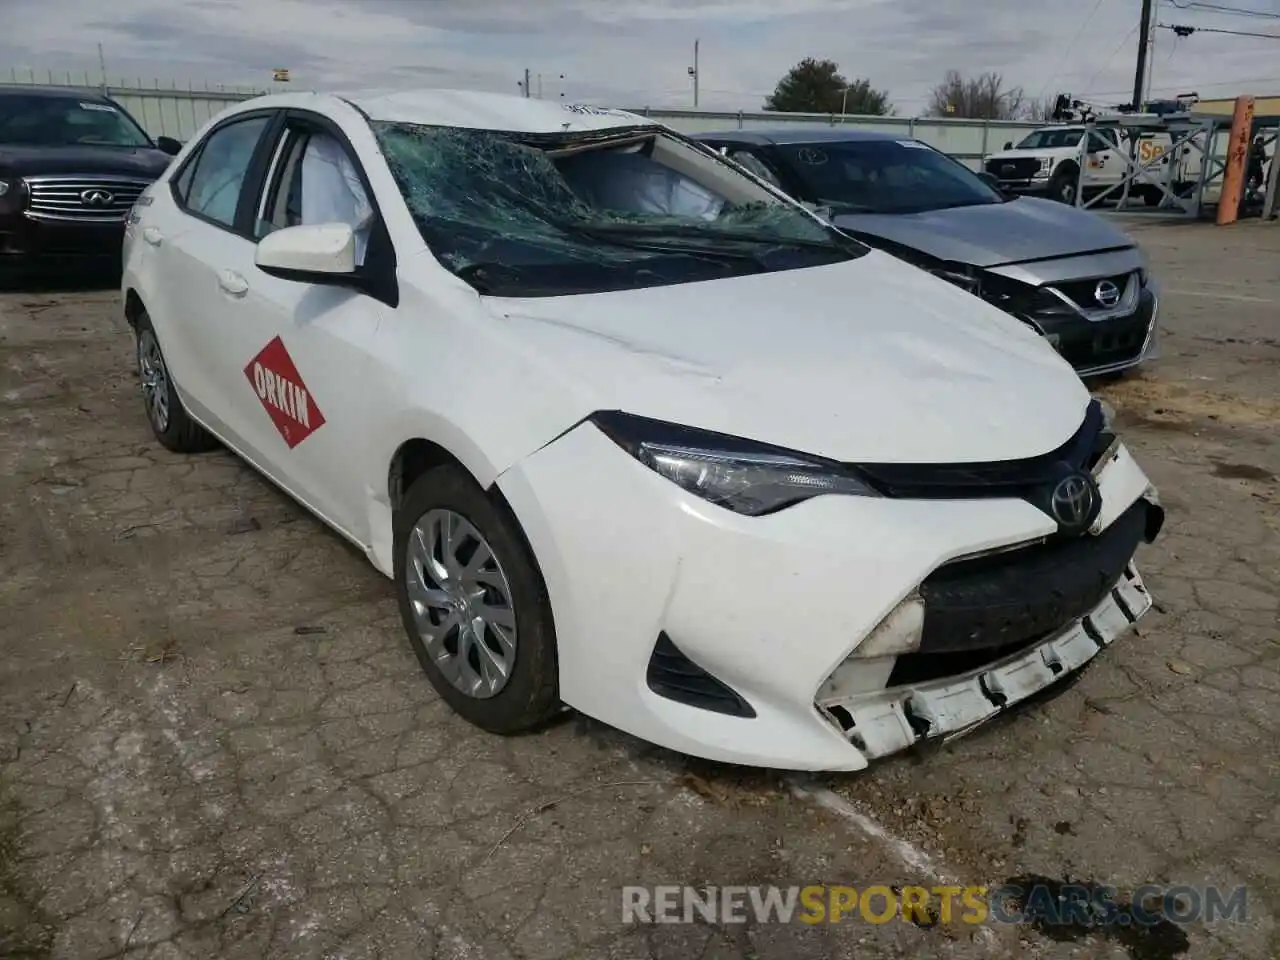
[174,428]
[531,694]
[1062,187]
[1151,195]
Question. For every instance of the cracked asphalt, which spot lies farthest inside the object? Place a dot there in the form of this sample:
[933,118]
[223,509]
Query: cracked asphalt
[215,741]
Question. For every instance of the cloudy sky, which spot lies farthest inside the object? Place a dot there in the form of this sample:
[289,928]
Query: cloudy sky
[636,52]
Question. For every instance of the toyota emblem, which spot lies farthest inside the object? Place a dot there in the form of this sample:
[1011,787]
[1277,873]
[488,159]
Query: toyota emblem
[97,198]
[1106,293]
[1073,502]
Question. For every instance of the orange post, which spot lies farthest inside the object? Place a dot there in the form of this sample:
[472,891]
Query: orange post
[1237,161]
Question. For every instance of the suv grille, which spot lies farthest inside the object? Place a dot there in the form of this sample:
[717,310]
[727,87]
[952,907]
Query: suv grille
[1024,168]
[85,198]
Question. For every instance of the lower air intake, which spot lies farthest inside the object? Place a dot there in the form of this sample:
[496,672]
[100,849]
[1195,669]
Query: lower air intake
[674,676]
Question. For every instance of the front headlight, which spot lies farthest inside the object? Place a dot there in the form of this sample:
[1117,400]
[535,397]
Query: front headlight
[740,475]
[4,187]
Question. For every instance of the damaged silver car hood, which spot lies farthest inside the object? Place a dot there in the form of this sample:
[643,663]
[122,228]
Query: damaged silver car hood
[869,359]
[988,235]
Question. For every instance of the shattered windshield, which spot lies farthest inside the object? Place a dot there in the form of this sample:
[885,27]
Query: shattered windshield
[541,215]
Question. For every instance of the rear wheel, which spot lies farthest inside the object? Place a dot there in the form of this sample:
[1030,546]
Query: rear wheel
[169,420]
[1151,195]
[474,603]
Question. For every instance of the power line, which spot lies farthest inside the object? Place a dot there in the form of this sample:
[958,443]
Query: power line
[1222,8]
[1097,94]
[1119,46]
[1184,31]
[1071,46]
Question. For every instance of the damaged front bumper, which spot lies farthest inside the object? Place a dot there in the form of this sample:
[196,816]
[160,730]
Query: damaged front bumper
[718,635]
[883,722]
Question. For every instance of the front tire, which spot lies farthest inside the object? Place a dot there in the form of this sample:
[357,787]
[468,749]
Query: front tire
[169,420]
[474,603]
[1063,187]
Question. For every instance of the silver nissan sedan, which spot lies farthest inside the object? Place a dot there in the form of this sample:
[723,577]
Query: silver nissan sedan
[1067,273]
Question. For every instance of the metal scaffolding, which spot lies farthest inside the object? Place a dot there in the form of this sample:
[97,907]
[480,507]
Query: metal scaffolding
[1182,189]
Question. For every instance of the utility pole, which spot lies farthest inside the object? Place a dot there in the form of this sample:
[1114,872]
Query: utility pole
[1144,40]
[526,83]
[693,72]
[102,67]
[539,86]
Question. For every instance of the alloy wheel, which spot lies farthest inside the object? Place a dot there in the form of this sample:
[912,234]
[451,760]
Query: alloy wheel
[155,380]
[461,602]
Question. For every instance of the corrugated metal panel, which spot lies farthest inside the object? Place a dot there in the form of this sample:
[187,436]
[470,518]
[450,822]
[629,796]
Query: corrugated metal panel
[967,140]
[166,109]
[163,109]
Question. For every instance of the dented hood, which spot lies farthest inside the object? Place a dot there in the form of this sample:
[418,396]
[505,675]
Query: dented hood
[869,359]
[988,235]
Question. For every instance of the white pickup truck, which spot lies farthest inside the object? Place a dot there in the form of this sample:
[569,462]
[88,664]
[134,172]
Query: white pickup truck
[1048,161]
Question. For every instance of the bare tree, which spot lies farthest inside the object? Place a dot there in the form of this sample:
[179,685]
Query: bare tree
[981,97]
[1040,110]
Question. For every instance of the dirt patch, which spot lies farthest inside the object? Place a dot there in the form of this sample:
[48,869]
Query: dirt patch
[1069,911]
[1174,405]
[1241,471]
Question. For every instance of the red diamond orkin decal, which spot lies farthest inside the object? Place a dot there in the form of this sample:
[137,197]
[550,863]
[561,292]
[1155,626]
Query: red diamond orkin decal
[284,396]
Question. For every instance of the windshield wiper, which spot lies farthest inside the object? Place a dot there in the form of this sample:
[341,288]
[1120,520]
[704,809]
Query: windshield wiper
[638,240]
[610,230]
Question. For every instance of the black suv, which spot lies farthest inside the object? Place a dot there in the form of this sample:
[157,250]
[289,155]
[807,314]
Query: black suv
[72,163]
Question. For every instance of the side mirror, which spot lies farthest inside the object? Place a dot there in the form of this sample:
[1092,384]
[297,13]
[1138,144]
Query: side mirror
[990,180]
[1008,144]
[169,145]
[315,253]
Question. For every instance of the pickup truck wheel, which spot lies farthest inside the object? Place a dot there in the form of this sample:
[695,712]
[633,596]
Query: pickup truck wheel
[474,603]
[1063,187]
[169,420]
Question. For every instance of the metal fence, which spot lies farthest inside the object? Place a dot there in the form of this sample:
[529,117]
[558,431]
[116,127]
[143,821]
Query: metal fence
[966,140]
[177,110]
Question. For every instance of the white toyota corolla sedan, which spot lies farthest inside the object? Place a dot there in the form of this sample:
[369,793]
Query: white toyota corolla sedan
[630,430]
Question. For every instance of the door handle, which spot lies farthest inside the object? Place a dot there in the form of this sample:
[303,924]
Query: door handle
[153,236]
[233,283]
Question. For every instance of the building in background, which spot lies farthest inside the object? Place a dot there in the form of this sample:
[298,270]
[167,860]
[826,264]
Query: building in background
[1266,106]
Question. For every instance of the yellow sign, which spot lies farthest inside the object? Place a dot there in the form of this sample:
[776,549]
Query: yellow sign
[1149,150]
[280,74]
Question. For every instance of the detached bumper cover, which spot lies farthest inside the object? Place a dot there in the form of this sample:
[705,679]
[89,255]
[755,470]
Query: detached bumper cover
[770,607]
[887,721]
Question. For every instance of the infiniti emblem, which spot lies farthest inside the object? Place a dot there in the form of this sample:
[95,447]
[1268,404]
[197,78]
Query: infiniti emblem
[96,197]
[1072,502]
[1106,293]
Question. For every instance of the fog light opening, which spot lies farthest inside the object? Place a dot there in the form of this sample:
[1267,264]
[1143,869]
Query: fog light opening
[841,716]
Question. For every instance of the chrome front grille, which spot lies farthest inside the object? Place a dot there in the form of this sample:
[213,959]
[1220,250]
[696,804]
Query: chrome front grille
[1089,297]
[85,198]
